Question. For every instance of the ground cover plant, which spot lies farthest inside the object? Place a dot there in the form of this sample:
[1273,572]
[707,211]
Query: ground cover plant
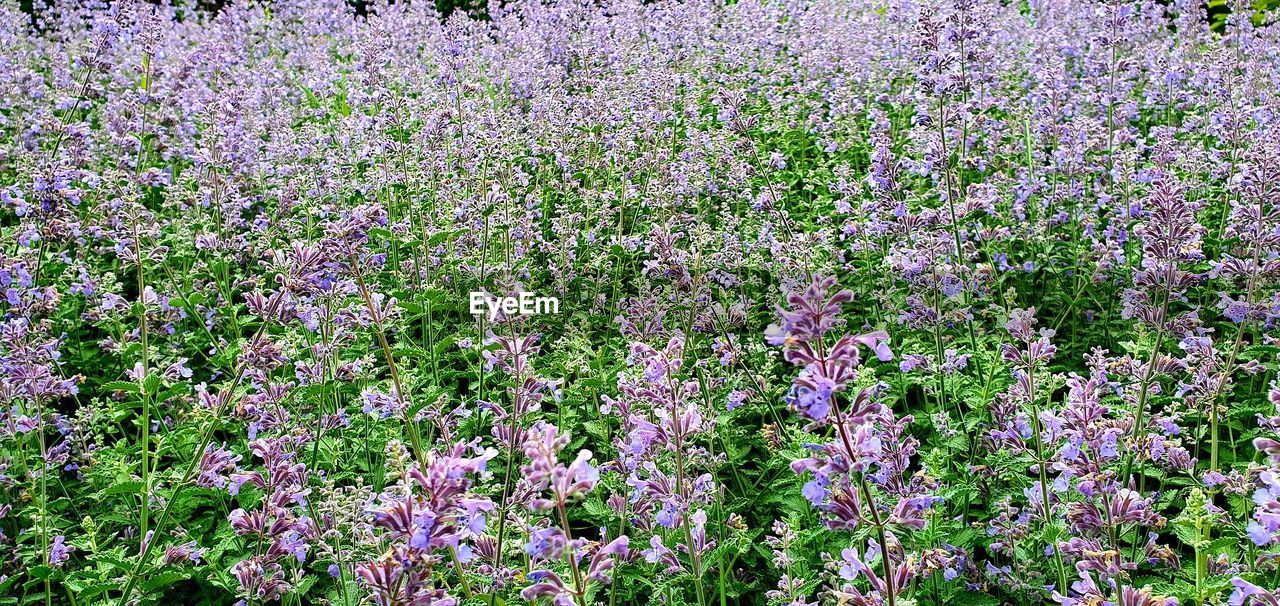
[875,303]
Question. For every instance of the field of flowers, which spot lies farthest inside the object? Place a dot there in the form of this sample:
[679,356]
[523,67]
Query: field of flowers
[882,303]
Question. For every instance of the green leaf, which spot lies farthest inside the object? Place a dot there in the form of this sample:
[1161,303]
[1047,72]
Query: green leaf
[123,487]
[162,579]
[151,384]
[303,586]
[40,572]
[969,598]
[125,386]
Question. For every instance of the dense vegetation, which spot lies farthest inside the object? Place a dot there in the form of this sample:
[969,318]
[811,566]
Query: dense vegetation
[888,303]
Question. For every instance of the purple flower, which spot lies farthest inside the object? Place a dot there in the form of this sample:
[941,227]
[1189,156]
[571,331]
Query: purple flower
[59,551]
[546,543]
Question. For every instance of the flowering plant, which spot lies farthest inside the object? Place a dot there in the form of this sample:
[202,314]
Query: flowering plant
[882,303]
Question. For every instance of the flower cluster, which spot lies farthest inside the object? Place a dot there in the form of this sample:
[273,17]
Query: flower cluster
[882,303]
